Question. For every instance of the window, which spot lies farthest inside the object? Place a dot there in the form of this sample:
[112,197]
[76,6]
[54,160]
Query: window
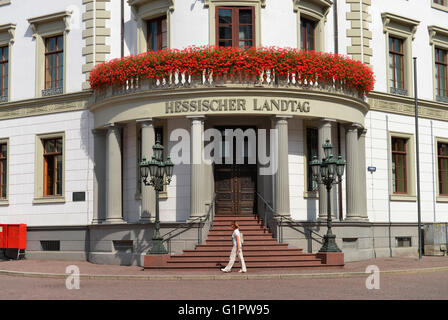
[4,56]
[235,26]
[157,34]
[49,32]
[311,151]
[399,166]
[404,242]
[441,70]
[54,64]
[396,65]
[307,36]
[442,160]
[53,167]
[3,171]
[441,2]
[399,34]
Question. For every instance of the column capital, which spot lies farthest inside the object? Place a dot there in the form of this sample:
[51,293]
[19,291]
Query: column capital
[199,117]
[145,121]
[99,132]
[353,127]
[113,126]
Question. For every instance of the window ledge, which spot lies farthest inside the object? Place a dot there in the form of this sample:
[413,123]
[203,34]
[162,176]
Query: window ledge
[311,194]
[403,197]
[439,7]
[49,200]
[4,202]
[442,198]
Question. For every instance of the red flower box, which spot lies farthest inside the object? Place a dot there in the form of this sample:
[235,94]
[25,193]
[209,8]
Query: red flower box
[308,66]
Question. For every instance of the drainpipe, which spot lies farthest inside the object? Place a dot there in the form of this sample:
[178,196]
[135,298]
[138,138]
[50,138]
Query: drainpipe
[122,28]
[335,23]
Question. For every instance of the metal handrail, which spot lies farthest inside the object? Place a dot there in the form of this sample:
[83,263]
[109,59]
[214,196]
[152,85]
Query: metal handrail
[281,220]
[265,220]
[201,220]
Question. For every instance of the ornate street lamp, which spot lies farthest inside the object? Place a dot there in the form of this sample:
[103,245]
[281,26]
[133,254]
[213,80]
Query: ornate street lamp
[328,172]
[160,173]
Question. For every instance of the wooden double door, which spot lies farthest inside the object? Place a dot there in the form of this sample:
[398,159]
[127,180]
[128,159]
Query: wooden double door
[235,187]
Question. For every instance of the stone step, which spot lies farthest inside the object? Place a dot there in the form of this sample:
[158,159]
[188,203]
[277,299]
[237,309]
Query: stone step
[226,252]
[255,242]
[244,228]
[236,218]
[247,237]
[237,265]
[246,247]
[225,259]
[248,233]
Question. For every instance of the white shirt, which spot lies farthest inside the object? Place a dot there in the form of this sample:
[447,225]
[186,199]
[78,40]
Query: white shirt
[234,235]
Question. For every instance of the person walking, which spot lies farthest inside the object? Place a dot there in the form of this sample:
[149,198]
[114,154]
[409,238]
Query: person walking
[237,249]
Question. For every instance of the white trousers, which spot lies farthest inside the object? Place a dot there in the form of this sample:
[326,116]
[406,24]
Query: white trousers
[232,259]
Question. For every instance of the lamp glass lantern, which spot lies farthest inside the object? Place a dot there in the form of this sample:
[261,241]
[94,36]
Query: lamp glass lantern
[327,146]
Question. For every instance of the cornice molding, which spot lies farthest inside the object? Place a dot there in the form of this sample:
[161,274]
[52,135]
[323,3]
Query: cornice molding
[63,16]
[11,29]
[208,2]
[407,22]
[138,3]
[437,31]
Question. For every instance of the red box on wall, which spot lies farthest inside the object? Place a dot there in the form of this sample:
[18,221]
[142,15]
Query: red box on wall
[3,236]
[13,236]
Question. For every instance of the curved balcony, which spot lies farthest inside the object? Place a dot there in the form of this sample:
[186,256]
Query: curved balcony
[146,84]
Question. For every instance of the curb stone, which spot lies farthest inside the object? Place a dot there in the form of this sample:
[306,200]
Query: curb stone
[219,277]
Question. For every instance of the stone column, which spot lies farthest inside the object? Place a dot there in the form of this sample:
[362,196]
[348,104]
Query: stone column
[148,211]
[197,204]
[282,175]
[325,133]
[355,182]
[362,173]
[99,175]
[114,197]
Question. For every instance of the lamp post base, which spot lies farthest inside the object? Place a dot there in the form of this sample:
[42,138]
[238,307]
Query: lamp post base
[330,244]
[157,247]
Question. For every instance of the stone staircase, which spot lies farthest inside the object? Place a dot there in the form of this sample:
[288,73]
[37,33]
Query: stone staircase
[260,249]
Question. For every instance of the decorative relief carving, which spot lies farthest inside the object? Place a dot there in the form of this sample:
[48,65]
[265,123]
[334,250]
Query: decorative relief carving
[34,109]
[408,109]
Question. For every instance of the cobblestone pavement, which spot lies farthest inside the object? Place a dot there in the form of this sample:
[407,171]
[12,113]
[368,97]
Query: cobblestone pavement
[417,286]
[45,266]
[433,285]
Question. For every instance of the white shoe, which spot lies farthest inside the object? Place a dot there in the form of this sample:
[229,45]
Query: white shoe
[224,270]
[242,271]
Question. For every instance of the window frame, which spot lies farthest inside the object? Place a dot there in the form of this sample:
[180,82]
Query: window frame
[395,154]
[315,11]
[4,61]
[56,52]
[4,201]
[44,27]
[7,34]
[235,24]
[439,196]
[47,155]
[400,54]
[308,194]
[146,10]
[39,163]
[256,4]
[304,33]
[438,40]
[158,20]
[410,194]
[438,6]
[402,28]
